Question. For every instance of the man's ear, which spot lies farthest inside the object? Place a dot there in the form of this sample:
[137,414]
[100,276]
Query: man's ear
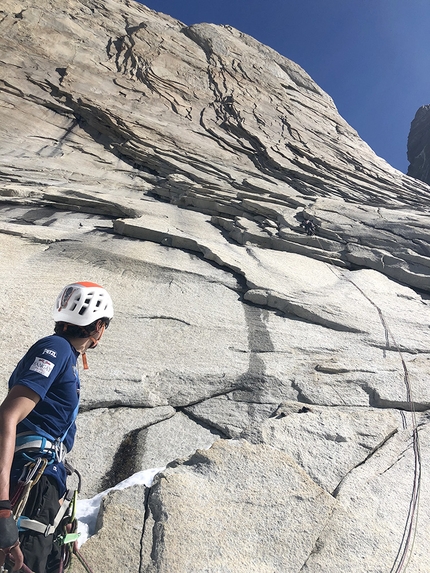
[96,328]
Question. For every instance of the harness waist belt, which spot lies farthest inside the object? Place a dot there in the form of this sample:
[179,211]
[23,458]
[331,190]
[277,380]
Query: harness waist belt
[28,441]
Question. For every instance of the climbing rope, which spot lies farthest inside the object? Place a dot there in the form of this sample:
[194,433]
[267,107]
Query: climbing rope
[409,532]
[404,553]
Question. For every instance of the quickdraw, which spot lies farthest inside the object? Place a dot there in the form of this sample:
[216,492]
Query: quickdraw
[65,524]
[31,474]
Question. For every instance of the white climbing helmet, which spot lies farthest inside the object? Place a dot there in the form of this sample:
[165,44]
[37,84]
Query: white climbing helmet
[82,303]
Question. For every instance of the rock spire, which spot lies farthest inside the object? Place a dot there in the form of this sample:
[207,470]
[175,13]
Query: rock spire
[419,145]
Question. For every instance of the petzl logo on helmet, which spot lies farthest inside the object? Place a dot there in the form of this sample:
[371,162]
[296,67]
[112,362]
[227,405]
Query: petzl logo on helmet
[66,297]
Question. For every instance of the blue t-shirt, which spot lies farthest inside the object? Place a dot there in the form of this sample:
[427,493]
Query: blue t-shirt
[49,368]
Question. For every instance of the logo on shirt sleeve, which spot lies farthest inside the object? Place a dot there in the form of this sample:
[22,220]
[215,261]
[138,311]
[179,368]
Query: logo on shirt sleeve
[42,366]
[50,352]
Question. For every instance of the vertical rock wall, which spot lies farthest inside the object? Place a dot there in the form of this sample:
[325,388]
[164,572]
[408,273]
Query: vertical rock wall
[281,378]
[419,145]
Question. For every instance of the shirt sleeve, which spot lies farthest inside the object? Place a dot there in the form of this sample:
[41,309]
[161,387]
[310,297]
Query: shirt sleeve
[41,365]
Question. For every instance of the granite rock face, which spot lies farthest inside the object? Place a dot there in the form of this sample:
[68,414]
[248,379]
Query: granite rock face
[419,145]
[282,377]
[216,487]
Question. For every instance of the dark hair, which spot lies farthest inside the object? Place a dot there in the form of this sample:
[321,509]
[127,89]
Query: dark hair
[74,331]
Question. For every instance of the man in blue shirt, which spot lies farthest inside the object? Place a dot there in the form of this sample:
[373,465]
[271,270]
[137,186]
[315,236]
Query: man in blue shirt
[37,428]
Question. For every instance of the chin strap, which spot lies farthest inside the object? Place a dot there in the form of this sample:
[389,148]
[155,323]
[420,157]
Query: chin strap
[94,342]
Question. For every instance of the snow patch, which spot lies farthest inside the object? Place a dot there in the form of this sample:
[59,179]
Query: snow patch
[88,509]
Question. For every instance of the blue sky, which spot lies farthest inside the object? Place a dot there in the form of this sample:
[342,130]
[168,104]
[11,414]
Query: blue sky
[371,56]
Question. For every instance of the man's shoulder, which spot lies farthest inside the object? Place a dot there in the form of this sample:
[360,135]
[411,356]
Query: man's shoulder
[53,346]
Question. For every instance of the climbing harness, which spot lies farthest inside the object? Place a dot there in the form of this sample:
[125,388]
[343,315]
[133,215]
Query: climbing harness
[29,443]
[38,449]
[409,532]
[24,523]
[65,522]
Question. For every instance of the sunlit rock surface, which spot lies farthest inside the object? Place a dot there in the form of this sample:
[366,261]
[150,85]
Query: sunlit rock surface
[283,375]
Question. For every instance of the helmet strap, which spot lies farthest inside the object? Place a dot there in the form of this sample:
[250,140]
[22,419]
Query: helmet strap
[95,342]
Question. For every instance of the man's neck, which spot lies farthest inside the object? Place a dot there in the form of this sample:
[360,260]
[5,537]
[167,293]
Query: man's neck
[81,345]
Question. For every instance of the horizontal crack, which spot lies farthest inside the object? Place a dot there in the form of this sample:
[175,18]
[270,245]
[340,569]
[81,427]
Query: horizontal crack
[163,317]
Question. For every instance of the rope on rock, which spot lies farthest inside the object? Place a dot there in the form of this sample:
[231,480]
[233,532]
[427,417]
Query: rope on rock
[82,560]
[409,532]
[404,553]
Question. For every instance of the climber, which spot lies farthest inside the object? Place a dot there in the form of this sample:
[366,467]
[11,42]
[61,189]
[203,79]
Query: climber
[309,226]
[37,429]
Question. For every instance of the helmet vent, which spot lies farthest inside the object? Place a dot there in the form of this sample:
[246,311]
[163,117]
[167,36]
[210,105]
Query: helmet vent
[81,303]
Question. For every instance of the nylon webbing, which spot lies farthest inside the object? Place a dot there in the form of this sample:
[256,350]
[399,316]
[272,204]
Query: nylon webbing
[26,523]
